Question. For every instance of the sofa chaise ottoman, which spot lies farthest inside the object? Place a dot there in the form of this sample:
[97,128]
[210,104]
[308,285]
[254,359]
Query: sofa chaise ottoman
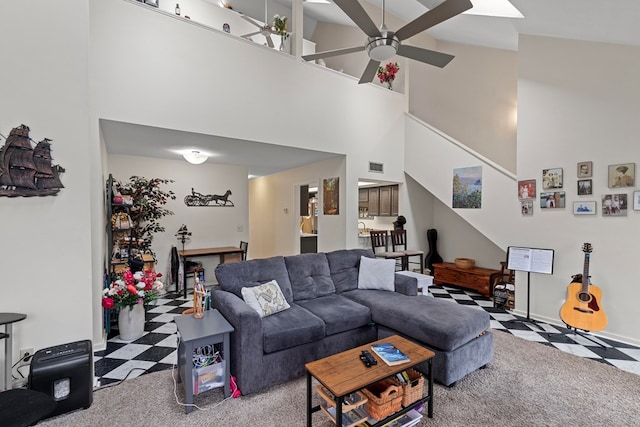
[325,303]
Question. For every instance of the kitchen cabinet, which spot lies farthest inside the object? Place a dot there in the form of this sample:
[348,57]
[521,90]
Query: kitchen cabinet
[374,201]
[378,201]
[363,195]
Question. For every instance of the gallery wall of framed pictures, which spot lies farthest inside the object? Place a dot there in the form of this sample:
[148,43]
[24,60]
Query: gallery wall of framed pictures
[553,195]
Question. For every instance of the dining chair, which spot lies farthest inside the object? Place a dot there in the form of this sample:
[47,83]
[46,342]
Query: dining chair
[399,244]
[379,240]
[244,246]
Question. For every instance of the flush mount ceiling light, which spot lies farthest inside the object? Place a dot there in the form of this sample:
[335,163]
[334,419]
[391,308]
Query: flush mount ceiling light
[195,157]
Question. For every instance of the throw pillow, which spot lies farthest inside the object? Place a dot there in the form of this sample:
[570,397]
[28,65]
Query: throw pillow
[377,273]
[266,299]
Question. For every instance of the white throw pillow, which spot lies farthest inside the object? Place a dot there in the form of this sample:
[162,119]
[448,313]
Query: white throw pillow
[266,299]
[377,273]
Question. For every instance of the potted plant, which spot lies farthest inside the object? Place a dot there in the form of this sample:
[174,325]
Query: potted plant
[387,74]
[280,27]
[130,292]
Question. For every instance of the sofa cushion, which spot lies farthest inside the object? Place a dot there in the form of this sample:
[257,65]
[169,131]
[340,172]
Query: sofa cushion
[232,277]
[265,299]
[343,265]
[309,275]
[291,328]
[338,313]
[376,273]
[439,323]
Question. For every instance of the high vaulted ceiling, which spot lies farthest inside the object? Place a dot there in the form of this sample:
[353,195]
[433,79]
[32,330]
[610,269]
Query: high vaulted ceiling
[610,21]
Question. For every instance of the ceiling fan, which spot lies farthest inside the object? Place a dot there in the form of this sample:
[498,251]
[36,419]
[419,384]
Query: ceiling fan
[265,30]
[381,44]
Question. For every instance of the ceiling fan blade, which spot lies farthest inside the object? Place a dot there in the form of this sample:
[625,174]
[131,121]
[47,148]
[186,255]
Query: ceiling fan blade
[357,14]
[251,34]
[269,41]
[252,21]
[442,12]
[328,53]
[427,56]
[370,71]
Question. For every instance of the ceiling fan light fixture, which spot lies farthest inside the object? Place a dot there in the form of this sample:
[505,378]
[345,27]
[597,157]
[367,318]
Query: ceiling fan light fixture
[382,48]
[195,157]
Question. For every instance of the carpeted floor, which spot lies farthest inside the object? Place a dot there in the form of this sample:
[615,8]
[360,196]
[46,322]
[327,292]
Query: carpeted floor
[527,384]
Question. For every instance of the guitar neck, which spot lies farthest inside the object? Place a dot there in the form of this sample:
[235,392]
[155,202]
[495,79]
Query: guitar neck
[585,273]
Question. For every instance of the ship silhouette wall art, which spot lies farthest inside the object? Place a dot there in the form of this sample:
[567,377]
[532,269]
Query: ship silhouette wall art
[26,170]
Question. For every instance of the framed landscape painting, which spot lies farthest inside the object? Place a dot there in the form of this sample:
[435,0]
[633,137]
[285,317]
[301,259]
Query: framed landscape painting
[467,188]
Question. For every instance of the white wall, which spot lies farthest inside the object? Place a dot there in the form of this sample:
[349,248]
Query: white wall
[211,226]
[473,99]
[580,101]
[274,210]
[46,258]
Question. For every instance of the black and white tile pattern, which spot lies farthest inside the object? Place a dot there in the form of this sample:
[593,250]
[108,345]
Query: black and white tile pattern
[156,349]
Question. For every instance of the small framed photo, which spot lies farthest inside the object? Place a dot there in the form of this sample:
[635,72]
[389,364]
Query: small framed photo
[622,175]
[614,205]
[636,200]
[584,208]
[551,178]
[552,200]
[585,169]
[527,207]
[585,187]
[527,189]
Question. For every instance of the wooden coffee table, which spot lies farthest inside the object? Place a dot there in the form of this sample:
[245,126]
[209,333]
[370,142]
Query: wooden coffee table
[344,373]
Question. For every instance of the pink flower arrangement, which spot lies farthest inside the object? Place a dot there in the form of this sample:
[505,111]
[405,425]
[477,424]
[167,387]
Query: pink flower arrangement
[132,288]
[388,73]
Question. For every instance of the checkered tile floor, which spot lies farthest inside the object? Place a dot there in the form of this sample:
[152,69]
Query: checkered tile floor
[156,349]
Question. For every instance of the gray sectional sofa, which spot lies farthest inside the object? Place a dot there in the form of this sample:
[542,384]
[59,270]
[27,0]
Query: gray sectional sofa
[328,314]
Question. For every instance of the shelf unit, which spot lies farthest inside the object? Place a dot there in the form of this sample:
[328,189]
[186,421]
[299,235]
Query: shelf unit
[126,241]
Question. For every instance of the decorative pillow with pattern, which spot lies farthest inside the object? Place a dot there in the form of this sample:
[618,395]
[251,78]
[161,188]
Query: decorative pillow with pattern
[266,299]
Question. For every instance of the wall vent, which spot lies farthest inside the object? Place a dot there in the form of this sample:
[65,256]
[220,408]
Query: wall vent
[376,167]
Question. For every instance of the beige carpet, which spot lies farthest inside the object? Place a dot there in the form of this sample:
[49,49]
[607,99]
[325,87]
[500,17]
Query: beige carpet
[527,384]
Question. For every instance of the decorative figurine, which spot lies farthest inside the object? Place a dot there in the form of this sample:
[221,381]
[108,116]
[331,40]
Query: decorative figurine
[198,294]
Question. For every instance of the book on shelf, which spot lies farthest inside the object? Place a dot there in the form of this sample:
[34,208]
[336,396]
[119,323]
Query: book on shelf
[390,354]
[350,418]
[409,419]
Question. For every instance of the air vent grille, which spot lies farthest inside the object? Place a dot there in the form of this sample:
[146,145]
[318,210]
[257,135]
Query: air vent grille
[376,167]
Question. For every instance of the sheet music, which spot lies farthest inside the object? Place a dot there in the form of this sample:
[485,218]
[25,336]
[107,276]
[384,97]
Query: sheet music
[533,260]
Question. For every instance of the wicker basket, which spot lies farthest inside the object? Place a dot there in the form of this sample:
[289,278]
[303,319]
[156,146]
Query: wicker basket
[465,262]
[384,398]
[413,390]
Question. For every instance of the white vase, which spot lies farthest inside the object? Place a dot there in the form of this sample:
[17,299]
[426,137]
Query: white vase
[131,322]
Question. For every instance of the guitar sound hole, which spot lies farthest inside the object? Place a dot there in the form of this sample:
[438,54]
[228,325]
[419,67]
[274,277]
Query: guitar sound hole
[584,297]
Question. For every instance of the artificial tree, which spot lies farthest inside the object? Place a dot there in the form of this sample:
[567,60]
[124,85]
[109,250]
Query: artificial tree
[148,200]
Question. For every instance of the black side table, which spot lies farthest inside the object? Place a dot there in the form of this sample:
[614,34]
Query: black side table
[7,319]
[213,328]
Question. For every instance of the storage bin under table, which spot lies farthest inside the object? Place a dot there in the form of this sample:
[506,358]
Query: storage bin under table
[211,329]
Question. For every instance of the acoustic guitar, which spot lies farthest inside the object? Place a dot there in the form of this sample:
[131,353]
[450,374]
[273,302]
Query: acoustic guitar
[582,309]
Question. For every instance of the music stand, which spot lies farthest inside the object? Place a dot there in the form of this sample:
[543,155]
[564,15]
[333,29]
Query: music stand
[530,260]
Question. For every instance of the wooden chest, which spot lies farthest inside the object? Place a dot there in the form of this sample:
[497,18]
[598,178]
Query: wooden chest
[477,278]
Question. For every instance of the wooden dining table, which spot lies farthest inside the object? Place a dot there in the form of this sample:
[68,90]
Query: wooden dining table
[222,252]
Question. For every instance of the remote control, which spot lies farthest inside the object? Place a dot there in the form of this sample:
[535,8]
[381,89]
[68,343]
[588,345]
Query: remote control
[368,359]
